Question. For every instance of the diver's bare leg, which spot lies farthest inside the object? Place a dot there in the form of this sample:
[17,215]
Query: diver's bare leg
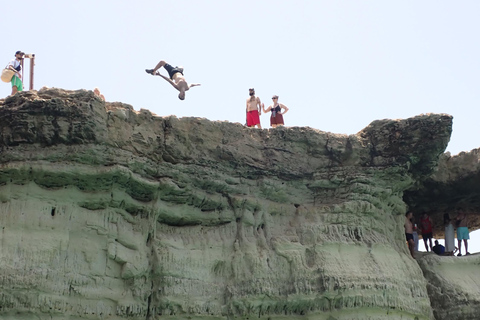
[158,66]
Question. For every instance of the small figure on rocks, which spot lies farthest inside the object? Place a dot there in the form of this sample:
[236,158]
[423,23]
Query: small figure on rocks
[426,226]
[409,233]
[175,74]
[253,109]
[276,118]
[96,91]
[16,65]
[462,232]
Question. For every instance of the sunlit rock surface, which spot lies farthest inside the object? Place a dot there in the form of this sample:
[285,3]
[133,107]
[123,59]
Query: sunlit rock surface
[453,285]
[121,214]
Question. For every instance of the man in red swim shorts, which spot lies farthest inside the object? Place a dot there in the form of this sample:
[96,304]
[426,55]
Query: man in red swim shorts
[253,109]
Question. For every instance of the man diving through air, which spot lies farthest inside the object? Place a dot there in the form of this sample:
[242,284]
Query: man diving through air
[176,74]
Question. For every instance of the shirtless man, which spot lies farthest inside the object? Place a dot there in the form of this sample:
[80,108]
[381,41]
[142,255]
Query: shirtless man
[253,109]
[462,232]
[176,74]
[409,233]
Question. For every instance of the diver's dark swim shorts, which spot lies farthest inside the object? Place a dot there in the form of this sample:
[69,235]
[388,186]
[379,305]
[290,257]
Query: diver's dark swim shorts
[171,70]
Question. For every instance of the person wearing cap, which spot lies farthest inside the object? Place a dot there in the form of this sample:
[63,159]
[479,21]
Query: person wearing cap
[276,118]
[175,74]
[16,65]
[253,109]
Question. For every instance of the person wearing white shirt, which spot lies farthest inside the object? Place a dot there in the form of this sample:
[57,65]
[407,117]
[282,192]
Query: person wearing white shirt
[16,65]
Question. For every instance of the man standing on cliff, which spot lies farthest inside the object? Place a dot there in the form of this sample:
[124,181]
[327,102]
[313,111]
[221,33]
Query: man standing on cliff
[409,233]
[16,65]
[175,74]
[253,109]
[462,232]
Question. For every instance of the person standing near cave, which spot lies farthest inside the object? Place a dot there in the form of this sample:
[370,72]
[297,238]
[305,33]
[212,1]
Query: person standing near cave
[462,232]
[415,234]
[426,226]
[409,233]
[449,234]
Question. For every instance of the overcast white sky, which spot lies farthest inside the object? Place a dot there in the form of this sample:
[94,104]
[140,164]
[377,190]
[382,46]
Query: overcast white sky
[338,65]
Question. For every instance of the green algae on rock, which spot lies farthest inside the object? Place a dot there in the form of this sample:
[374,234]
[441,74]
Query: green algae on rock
[111,213]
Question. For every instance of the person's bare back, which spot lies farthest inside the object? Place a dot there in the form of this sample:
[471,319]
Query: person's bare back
[408,225]
[462,219]
[409,233]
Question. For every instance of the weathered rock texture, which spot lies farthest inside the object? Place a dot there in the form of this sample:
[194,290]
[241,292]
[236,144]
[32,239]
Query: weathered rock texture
[123,214]
[453,285]
[455,185]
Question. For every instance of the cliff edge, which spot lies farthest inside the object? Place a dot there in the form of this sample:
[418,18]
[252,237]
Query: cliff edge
[109,213]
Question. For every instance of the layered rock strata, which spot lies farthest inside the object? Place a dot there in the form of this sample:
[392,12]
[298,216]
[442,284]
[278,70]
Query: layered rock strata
[108,213]
[453,285]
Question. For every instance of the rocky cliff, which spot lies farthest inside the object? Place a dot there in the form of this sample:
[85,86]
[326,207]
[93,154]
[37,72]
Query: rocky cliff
[108,213]
[453,285]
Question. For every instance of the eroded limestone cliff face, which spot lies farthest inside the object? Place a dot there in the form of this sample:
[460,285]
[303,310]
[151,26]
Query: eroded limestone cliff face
[108,213]
[453,285]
